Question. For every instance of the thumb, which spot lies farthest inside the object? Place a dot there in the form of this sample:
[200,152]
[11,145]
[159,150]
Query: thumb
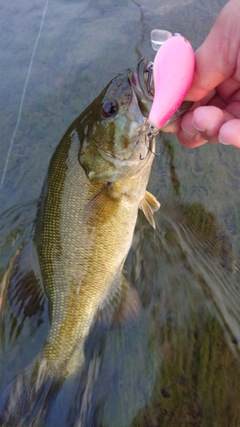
[216,58]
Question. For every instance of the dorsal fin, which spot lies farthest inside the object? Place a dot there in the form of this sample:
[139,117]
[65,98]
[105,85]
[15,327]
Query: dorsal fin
[149,205]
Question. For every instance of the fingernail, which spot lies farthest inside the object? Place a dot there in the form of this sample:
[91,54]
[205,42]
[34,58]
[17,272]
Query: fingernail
[223,142]
[196,127]
[200,130]
[189,135]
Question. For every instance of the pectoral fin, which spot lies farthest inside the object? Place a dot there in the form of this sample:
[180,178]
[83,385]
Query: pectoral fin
[149,205]
[101,206]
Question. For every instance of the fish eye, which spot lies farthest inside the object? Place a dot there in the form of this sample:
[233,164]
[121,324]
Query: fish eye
[110,108]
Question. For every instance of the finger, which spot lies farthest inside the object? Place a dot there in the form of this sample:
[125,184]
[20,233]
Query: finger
[206,99]
[216,59]
[234,109]
[191,142]
[217,101]
[236,95]
[205,123]
[173,127]
[189,135]
[209,124]
[208,121]
[230,133]
[229,89]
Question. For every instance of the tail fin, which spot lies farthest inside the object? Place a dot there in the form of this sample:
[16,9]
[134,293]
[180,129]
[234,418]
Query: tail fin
[86,404]
[24,400]
[34,399]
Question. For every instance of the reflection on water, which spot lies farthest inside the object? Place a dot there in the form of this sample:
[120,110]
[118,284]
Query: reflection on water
[178,363]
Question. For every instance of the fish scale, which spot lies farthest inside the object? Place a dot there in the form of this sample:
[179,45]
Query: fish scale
[86,216]
[83,270]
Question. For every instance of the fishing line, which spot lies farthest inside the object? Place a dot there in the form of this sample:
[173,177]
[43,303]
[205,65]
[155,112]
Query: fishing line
[23,94]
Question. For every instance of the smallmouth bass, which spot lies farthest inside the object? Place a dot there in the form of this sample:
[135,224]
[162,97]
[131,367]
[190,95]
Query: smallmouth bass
[88,210]
[70,273]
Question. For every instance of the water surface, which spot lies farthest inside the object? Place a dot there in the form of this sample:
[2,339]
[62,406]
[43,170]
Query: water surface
[178,364]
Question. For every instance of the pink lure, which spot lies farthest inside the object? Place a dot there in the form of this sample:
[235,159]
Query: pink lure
[172,73]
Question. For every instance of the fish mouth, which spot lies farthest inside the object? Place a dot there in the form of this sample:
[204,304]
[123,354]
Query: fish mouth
[143,85]
[145,77]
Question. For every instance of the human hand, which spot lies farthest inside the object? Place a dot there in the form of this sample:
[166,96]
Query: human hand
[215,115]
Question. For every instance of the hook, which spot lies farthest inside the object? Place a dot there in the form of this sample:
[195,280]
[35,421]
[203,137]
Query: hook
[151,134]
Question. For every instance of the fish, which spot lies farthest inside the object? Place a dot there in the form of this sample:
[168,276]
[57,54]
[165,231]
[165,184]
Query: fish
[70,274]
[89,206]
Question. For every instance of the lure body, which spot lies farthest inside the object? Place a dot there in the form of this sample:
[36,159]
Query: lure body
[172,73]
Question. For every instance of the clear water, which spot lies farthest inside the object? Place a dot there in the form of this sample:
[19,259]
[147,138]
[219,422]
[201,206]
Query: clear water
[178,365]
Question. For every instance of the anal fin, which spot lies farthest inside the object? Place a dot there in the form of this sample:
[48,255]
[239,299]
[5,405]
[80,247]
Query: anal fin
[149,205]
[123,306]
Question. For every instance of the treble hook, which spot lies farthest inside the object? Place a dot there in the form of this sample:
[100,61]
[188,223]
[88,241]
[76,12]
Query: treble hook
[151,134]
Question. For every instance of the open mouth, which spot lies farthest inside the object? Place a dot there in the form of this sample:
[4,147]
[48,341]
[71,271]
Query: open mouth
[144,89]
[142,81]
[146,79]
[142,78]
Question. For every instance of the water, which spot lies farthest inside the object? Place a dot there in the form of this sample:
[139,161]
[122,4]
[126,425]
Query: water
[178,365]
